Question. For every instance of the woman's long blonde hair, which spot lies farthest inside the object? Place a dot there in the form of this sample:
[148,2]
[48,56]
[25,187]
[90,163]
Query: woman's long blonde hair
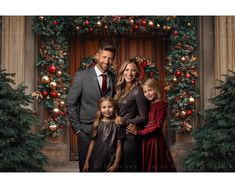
[121,84]
[99,115]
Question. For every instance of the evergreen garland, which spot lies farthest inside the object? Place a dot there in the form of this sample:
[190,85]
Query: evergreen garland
[214,149]
[181,67]
[20,149]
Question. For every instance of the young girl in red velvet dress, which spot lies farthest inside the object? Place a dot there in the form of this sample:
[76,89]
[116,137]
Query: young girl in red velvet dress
[156,156]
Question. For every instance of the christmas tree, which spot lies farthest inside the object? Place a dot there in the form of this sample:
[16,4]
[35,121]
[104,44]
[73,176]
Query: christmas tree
[214,149]
[20,149]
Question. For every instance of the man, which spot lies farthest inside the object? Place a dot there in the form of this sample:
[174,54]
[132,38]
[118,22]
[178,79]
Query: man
[87,88]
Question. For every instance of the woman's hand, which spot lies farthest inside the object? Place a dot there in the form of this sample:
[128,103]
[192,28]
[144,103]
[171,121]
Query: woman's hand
[131,128]
[119,120]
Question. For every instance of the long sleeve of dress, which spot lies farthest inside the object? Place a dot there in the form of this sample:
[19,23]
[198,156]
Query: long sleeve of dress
[157,120]
[141,105]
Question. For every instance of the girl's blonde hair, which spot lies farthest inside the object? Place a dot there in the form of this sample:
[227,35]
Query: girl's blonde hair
[99,115]
[121,84]
[154,85]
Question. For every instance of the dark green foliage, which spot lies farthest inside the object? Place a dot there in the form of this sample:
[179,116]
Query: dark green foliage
[214,149]
[20,149]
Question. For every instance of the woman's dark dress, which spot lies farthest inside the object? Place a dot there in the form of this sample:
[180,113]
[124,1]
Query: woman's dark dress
[156,156]
[104,150]
[133,108]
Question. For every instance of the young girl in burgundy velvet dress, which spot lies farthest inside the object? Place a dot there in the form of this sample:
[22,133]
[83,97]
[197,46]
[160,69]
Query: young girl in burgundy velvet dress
[104,153]
[156,156]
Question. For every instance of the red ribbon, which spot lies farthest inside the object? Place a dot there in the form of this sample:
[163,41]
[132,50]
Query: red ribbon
[142,65]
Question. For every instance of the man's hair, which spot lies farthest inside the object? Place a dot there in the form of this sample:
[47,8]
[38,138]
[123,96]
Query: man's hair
[108,46]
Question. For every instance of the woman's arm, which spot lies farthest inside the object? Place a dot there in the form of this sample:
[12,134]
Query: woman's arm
[116,163]
[141,104]
[88,156]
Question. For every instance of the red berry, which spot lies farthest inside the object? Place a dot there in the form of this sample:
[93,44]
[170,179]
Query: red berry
[52,69]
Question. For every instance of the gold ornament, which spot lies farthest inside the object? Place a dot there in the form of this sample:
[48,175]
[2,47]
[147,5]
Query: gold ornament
[77,28]
[59,73]
[56,111]
[98,23]
[53,127]
[61,104]
[191,100]
[151,23]
[45,79]
[158,26]
[183,114]
[53,85]
[41,18]
[189,24]
[58,95]
[131,21]
[183,59]
[194,58]
[174,79]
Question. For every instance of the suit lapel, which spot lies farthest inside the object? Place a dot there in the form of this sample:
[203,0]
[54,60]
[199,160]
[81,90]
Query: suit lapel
[95,84]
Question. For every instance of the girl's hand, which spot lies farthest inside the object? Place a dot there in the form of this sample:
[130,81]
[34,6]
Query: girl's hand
[85,167]
[119,120]
[131,128]
[112,168]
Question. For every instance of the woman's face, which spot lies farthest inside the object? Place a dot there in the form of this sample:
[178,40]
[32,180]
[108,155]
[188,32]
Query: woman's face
[130,73]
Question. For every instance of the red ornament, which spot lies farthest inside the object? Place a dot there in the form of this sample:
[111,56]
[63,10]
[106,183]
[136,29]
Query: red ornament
[44,93]
[187,75]
[136,27]
[63,113]
[193,82]
[144,23]
[54,94]
[178,73]
[55,22]
[52,69]
[175,33]
[189,112]
[61,126]
[91,29]
[87,22]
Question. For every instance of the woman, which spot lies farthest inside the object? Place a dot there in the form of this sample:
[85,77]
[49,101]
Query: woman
[132,110]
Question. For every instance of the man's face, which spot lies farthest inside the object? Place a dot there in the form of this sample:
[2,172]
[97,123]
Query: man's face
[105,60]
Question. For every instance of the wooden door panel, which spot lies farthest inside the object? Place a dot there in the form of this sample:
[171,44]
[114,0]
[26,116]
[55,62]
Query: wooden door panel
[152,47]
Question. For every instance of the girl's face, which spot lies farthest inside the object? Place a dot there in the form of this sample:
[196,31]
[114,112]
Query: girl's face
[130,72]
[107,109]
[150,94]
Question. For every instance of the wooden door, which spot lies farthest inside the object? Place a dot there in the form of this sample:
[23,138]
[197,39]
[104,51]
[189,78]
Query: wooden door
[152,47]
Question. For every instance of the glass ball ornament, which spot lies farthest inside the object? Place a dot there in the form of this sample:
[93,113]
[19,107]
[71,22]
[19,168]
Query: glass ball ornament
[45,79]
[53,127]
[53,85]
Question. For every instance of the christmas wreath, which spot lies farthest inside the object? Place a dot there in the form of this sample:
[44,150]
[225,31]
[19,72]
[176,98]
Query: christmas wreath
[147,67]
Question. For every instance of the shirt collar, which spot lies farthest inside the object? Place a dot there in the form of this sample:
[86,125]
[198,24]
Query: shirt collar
[98,72]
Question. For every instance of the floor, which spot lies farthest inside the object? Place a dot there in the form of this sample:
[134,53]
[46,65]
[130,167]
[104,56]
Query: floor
[72,166]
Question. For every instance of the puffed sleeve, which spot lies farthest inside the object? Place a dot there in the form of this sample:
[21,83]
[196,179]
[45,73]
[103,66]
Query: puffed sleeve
[157,122]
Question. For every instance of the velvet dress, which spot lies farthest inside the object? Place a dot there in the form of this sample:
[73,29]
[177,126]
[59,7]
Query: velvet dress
[104,150]
[133,109]
[156,156]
